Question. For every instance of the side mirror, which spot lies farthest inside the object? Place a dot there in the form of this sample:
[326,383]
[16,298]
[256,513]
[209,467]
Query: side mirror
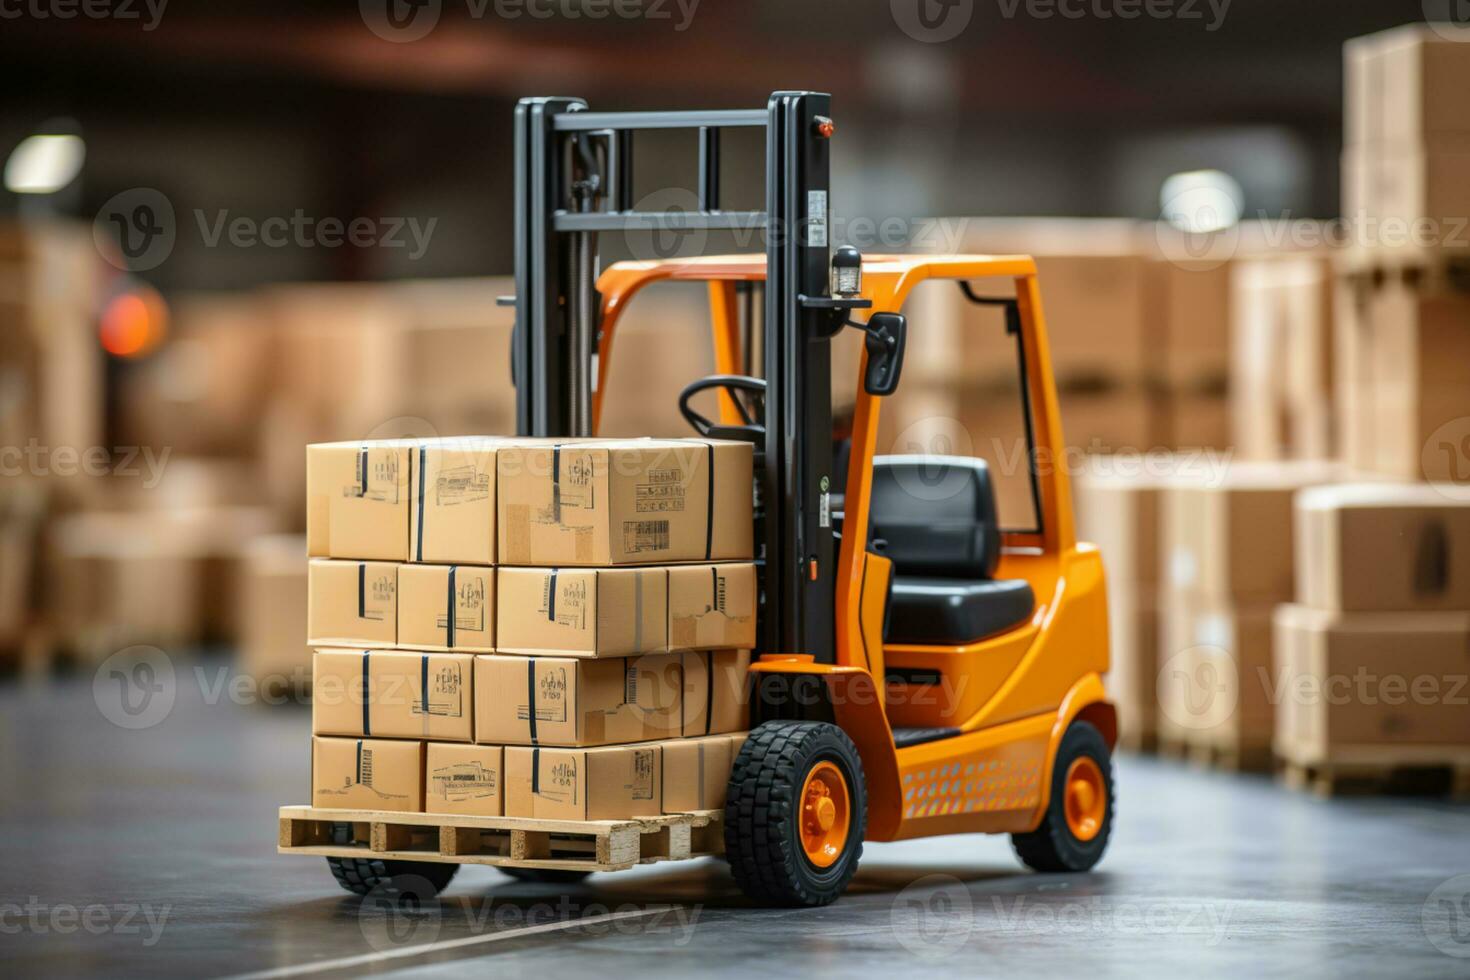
[886,335]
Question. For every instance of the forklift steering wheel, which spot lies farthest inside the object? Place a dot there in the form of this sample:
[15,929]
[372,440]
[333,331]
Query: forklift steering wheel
[753,429]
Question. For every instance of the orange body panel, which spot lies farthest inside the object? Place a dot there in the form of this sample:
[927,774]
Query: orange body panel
[1013,695]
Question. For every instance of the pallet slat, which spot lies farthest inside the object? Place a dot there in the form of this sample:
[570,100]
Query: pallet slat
[607,845]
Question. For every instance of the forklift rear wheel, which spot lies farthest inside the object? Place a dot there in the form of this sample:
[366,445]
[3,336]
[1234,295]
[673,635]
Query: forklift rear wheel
[546,876]
[1079,816]
[394,880]
[795,813]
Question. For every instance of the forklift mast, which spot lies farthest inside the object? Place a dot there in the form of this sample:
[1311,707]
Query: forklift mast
[574,179]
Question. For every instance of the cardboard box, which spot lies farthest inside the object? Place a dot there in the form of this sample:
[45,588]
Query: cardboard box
[716,692]
[468,779]
[577,702]
[272,616]
[1133,671]
[611,783]
[1229,537]
[1117,505]
[352,603]
[1382,547]
[1424,78]
[446,607]
[1362,680]
[625,502]
[696,772]
[367,774]
[393,694]
[1214,680]
[452,508]
[582,612]
[357,499]
[712,607]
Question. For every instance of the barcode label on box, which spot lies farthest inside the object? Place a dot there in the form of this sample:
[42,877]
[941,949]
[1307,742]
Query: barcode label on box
[639,536]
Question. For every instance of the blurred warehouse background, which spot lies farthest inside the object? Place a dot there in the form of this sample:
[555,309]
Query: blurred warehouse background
[227,233]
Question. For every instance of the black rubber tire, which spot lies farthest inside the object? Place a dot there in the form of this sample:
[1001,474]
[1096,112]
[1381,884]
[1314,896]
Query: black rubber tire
[762,840]
[395,880]
[1053,847]
[546,876]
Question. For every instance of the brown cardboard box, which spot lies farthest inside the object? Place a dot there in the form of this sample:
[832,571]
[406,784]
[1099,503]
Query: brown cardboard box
[1364,680]
[357,499]
[452,507]
[1133,672]
[1382,547]
[1189,319]
[712,607]
[1230,538]
[1117,503]
[446,607]
[1214,673]
[611,783]
[352,603]
[625,502]
[578,702]
[582,612]
[465,779]
[272,617]
[696,772]
[1424,77]
[367,774]
[716,692]
[382,694]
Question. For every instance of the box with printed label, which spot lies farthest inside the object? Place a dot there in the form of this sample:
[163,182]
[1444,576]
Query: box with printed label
[352,602]
[367,774]
[697,770]
[712,607]
[570,702]
[716,696]
[625,502]
[452,507]
[446,607]
[357,499]
[610,783]
[582,612]
[466,779]
[393,694]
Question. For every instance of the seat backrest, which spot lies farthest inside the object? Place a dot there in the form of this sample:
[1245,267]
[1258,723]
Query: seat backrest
[936,515]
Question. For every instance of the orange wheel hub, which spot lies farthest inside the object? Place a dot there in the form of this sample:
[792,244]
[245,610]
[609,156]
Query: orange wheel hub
[826,814]
[1086,798]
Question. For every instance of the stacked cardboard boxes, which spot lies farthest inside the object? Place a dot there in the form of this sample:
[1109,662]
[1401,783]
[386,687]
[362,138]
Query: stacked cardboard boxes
[1227,562]
[1372,658]
[529,628]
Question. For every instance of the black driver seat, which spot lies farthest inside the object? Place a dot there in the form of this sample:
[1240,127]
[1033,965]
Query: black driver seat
[935,518]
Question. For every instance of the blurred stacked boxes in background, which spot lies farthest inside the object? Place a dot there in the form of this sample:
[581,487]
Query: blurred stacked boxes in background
[529,628]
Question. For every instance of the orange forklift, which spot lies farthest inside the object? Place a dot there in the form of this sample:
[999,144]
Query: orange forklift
[920,670]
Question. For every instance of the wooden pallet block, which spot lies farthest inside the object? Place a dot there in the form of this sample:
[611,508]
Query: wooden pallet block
[1380,770]
[594,845]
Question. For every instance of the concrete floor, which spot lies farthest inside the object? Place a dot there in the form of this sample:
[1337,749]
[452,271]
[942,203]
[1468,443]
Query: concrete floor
[152,852]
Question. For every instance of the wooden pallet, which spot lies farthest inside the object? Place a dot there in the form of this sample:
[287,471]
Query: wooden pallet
[1231,757]
[519,842]
[1382,770]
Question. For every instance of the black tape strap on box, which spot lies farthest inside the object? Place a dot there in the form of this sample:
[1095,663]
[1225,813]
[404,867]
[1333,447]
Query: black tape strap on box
[535,771]
[551,597]
[709,504]
[556,484]
[709,690]
[362,590]
[423,459]
[424,689]
[359,762]
[367,697]
[714,590]
[362,471]
[531,696]
[449,616]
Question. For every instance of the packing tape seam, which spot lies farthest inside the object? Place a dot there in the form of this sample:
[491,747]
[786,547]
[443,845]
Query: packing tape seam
[423,466]
[709,504]
[449,614]
[367,699]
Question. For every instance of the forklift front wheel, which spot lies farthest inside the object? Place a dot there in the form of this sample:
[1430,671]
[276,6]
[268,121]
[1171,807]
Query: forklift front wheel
[1079,817]
[795,813]
[396,881]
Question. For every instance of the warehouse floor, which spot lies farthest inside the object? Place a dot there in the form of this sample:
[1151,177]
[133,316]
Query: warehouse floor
[152,852]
